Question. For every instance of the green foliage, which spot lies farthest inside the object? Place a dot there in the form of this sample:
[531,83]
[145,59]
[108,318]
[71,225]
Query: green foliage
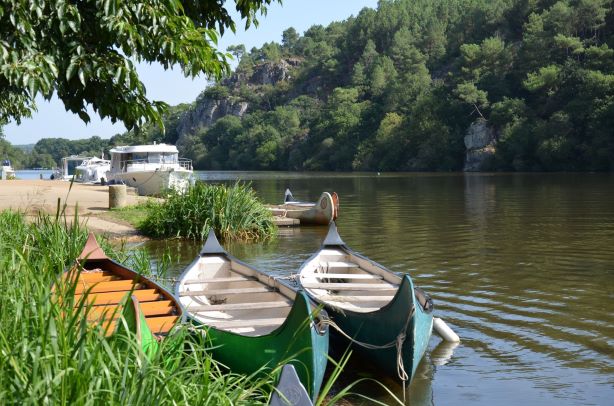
[83,52]
[233,212]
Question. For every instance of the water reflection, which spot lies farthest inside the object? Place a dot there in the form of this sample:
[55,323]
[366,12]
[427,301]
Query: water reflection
[521,266]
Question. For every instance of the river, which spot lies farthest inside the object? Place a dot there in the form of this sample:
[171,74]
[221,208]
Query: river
[521,266]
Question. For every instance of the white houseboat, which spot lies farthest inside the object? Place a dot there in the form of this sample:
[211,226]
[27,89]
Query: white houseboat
[6,170]
[151,169]
[92,170]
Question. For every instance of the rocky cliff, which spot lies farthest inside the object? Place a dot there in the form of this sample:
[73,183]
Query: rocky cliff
[480,142]
[207,110]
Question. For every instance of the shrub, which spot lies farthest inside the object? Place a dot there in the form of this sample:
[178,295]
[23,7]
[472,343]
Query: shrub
[234,212]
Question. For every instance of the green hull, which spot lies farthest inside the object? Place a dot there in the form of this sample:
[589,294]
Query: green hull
[136,324]
[295,342]
[384,326]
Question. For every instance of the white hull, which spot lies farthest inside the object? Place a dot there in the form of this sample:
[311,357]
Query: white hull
[91,173]
[7,172]
[149,183]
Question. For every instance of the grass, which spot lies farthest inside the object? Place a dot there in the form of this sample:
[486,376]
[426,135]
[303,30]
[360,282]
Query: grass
[234,212]
[133,215]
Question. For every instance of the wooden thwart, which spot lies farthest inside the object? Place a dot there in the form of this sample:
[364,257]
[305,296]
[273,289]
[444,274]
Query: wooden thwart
[237,291]
[341,264]
[158,308]
[350,286]
[350,299]
[347,276]
[239,306]
[218,280]
[113,286]
[143,295]
[161,325]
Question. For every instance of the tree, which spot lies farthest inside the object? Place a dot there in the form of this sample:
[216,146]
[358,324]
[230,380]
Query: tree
[289,39]
[84,51]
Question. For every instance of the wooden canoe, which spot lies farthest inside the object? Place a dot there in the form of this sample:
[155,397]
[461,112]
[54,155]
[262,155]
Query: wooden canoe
[322,212]
[254,321]
[107,289]
[370,304]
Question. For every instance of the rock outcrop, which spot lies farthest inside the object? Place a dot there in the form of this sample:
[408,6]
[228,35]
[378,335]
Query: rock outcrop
[207,110]
[480,142]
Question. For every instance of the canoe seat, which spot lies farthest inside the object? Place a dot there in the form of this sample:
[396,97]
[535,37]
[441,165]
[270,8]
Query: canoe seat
[350,299]
[340,264]
[217,280]
[236,291]
[347,276]
[108,298]
[157,308]
[225,324]
[161,325]
[239,306]
[112,286]
[350,286]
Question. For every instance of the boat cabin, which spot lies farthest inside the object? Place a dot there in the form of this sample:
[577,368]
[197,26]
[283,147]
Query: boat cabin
[146,158]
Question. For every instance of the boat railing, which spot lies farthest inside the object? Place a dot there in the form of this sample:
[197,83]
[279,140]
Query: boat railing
[148,164]
[185,163]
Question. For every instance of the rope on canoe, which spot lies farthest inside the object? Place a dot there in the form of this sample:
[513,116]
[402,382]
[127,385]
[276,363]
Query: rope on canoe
[397,343]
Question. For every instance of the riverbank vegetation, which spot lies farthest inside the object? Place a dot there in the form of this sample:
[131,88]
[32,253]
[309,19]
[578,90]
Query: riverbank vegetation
[48,357]
[234,212]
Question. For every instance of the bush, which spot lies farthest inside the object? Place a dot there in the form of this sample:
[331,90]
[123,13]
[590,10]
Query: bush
[235,213]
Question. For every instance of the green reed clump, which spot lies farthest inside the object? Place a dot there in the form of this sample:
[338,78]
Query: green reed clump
[50,355]
[234,212]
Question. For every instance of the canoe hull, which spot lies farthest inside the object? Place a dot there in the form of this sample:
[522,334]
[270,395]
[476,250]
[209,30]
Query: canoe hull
[384,326]
[297,342]
[323,212]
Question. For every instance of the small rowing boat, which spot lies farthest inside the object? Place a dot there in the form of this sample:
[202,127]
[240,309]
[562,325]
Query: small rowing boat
[322,212]
[254,321]
[388,319]
[106,290]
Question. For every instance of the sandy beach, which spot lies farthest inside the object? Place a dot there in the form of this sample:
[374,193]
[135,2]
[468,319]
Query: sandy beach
[91,202]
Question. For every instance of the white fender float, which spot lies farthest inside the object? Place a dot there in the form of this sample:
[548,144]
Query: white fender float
[445,332]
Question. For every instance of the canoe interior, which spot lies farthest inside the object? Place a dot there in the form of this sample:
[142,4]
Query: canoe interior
[344,280]
[228,295]
[108,286]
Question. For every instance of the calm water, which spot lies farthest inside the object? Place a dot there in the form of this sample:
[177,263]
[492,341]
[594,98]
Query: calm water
[520,266]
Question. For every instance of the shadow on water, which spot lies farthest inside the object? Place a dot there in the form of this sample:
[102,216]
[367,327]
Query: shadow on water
[520,265]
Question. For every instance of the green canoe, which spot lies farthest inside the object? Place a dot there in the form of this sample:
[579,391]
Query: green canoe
[254,321]
[371,305]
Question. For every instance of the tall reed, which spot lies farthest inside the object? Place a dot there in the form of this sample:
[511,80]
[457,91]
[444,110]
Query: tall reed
[234,212]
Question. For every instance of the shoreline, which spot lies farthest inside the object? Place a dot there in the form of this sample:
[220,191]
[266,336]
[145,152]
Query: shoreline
[90,202]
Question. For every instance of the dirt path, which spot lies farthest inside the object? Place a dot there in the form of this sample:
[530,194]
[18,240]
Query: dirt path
[91,201]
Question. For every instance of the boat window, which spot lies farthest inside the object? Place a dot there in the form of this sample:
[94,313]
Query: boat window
[155,158]
[6,162]
[139,156]
[170,158]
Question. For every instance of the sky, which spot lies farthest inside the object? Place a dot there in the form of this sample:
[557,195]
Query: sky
[53,121]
